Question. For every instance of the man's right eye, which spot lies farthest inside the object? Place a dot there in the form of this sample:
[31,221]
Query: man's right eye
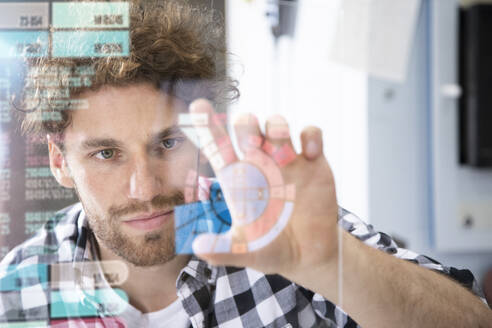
[105,154]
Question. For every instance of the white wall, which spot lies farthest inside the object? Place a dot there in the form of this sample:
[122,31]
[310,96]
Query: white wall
[295,78]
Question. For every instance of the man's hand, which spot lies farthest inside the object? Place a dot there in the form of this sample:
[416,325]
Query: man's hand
[379,290]
[310,236]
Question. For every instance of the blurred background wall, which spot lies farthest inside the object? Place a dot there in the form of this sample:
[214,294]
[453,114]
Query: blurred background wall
[380,135]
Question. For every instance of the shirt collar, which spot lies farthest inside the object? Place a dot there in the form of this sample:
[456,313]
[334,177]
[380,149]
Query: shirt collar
[85,239]
[199,270]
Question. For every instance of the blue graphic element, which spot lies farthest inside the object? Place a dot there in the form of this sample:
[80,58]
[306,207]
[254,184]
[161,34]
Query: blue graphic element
[190,220]
[16,278]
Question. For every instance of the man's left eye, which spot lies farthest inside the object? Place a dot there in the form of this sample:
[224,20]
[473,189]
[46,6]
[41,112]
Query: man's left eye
[170,143]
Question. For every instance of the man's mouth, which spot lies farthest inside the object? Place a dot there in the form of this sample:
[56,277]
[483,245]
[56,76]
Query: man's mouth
[147,222]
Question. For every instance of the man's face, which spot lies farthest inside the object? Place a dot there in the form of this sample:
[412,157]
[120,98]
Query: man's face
[128,161]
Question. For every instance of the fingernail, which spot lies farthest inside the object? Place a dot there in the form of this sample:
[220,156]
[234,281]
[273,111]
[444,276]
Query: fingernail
[312,148]
[245,119]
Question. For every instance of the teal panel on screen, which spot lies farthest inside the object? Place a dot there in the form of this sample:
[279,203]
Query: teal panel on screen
[87,303]
[90,15]
[29,324]
[16,44]
[90,43]
[15,278]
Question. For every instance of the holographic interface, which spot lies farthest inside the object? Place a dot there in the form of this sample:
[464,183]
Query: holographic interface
[64,29]
[259,201]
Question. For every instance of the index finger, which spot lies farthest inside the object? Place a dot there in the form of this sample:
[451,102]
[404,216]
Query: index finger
[213,139]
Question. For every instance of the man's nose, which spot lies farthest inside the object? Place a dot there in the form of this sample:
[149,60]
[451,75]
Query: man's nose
[144,182]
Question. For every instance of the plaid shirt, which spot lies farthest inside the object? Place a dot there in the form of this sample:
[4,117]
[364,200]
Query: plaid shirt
[212,296]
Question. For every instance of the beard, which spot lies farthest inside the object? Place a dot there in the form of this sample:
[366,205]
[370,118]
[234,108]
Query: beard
[153,248]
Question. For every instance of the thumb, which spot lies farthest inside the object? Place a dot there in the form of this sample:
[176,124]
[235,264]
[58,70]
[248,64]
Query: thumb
[216,250]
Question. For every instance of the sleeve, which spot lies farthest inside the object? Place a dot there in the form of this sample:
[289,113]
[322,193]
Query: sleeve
[368,235]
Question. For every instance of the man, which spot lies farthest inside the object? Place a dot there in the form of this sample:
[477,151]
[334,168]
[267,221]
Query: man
[128,161]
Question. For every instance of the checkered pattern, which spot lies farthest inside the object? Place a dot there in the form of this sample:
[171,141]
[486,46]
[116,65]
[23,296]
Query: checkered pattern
[212,296]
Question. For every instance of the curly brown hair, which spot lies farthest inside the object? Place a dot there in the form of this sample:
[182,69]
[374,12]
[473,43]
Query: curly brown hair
[170,41]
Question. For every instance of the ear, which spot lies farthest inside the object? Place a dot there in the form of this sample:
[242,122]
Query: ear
[58,165]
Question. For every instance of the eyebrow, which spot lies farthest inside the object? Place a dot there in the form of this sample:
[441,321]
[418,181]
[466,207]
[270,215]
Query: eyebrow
[167,132]
[113,143]
[101,142]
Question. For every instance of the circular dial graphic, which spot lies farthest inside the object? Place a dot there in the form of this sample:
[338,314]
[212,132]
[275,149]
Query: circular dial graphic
[251,205]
